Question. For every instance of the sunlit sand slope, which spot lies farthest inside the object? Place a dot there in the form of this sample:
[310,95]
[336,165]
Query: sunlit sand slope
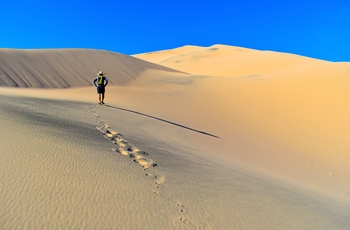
[72,165]
[277,113]
[63,68]
[228,61]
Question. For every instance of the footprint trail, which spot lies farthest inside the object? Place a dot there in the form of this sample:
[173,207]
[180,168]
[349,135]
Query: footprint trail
[125,148]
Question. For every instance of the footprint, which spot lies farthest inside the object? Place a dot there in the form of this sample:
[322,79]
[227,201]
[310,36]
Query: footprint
[317,166]
[181,207]
[100,129]
[102,123]
[126,149]
[144,162]
[160,180]
[122,143]
[122,151]
[329,174]
[136,150]
[151,175]
[184,221]
[155,192]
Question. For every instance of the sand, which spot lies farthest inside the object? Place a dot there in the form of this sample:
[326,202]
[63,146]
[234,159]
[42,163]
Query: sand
[227,61]
[180,151]
[280,121]
[66,68]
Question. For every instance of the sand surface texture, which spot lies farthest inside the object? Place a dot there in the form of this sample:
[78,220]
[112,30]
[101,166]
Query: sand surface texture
[64,68]
[169,150]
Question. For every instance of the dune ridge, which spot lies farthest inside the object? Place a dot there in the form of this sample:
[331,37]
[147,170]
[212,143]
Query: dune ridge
[65,68]
[227,61]
[279,113]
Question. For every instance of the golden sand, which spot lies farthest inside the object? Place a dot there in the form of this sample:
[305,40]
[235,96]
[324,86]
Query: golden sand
[264,147]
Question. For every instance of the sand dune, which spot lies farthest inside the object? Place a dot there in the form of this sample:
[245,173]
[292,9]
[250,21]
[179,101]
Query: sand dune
[67,68]
[227,61]
[264,145]
[290,121]
[59,169]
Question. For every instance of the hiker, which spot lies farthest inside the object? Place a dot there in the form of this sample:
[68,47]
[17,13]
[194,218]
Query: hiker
[102,82]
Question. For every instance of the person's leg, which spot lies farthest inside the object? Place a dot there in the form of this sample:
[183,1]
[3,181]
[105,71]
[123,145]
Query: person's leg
[103,97]
[99,98]
[103,94]
[99,93]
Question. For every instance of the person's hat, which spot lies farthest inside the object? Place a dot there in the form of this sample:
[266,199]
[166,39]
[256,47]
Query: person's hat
[101,73]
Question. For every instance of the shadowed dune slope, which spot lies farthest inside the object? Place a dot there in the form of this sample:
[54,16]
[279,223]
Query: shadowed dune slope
[65,68]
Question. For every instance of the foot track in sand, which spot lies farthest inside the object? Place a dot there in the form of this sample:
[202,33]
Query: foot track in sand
[317,166]
[125,148]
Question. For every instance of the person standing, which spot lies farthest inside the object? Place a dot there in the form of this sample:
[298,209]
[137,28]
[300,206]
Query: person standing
[102,82]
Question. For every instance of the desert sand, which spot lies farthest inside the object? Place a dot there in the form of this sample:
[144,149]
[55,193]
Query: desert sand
[227,61]
[244,139]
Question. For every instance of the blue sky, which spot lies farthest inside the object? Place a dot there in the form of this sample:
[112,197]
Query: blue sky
[314,28]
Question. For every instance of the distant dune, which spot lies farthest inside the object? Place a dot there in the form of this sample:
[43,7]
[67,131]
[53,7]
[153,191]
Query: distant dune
[227,61]
[64,68]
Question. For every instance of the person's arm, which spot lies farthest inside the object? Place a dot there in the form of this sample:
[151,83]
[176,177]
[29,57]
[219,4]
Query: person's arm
[106,81]
[95,82]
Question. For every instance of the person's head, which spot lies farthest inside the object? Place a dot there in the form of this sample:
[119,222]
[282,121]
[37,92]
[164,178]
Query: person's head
[101,73]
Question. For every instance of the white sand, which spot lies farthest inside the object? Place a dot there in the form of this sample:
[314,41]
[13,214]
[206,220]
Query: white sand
[279,162]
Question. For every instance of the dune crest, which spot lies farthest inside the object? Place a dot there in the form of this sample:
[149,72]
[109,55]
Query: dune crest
[226,61]
[65,68]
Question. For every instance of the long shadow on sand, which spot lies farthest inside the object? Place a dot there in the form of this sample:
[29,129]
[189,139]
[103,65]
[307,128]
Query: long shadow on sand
[160,119]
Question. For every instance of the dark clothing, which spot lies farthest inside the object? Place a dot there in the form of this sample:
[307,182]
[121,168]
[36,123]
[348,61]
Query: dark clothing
[100,89]
[101,81]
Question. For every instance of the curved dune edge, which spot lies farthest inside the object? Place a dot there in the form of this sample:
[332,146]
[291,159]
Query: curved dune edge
[227,61]
[66,68]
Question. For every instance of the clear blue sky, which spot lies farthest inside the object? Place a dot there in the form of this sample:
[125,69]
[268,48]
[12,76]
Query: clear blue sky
[314,28]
